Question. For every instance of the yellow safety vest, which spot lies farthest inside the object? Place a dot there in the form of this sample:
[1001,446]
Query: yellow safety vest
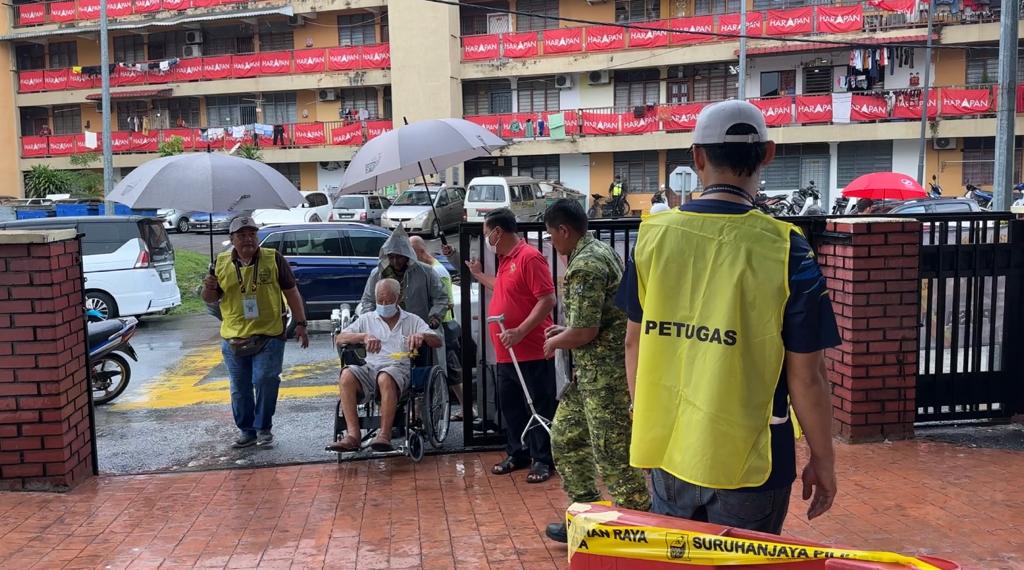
[713,289]
[267,293]
[617,190]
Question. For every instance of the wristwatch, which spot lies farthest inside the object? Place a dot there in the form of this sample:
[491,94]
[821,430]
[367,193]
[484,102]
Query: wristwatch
[300,323]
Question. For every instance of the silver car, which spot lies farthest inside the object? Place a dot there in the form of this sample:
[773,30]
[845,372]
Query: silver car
[177,220]
[359,208]
[412,210]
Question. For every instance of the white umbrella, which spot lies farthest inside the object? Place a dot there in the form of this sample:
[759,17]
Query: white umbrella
[411,150]
[206,182]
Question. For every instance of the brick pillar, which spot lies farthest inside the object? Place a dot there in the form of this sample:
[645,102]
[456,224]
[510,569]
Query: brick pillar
[872,272]
[45,431]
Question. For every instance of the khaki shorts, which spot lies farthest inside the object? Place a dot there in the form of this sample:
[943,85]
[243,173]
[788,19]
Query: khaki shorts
[367,377]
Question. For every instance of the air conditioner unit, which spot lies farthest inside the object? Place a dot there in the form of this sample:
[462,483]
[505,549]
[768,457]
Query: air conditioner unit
[193,37]
[296,20]
[191,51]
[327,95]
[563,81]
[599,77]
[330,165]
[945,143]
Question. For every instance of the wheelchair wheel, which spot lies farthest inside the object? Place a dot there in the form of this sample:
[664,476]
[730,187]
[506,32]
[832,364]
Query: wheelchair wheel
[414,443]
[436,404]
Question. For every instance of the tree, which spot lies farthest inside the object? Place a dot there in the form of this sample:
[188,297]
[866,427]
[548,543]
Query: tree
[43,180]
[175,145]
[86,181]
[251,152]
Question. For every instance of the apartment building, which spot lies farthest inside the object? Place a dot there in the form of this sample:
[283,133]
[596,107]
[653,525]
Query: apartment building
[612,87]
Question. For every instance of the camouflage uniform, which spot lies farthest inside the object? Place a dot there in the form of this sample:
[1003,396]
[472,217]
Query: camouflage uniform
[591,429]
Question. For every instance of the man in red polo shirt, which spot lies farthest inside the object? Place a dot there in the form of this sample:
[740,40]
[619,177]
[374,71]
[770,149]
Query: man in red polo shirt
[525,293]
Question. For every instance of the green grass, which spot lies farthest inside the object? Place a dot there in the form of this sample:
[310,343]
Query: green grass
[190,267]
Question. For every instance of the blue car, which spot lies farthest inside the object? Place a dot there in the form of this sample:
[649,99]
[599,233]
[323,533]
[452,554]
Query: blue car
[331,261]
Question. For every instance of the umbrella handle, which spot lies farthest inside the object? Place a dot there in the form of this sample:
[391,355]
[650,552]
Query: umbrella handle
[212,262]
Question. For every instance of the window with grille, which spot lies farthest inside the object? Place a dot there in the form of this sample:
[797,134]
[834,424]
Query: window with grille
[637,10]
[290,170]
[979,160]
[276,36]
[230,110]
[474,21]
[796,166]
[775,83]
[127,111]
[712,82]
[166,45]
[639,170]
[357,30]
[486,97]
[983,67]
[781,4]
[361,98]
[228,40]
[863,157]
[63,54]
[33,119]
[129,49]
[279,108]
[67,119]
[540,167]
[817,80]
[537,94]
[636,89]
[705,7]
[170,110]
[30,57]
[536,9]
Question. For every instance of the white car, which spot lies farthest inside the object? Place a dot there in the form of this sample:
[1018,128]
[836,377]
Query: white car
[316,207]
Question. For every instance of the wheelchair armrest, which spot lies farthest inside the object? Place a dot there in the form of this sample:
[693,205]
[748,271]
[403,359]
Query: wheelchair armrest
[352,354]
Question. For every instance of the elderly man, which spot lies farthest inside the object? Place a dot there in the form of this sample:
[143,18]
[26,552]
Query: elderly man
[389,335]
[422,292]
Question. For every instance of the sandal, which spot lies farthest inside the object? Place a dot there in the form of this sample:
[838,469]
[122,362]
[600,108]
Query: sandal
[457,416]
[507,466]
[347,443]
[539,472]
[381,443]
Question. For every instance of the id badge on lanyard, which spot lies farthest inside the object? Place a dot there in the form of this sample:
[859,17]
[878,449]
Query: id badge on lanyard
[250,306]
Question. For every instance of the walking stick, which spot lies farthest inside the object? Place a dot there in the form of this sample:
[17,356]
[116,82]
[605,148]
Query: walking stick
[535,418]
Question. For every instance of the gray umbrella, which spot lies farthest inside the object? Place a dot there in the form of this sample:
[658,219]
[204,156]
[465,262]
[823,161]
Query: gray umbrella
[411,150]
[206,182]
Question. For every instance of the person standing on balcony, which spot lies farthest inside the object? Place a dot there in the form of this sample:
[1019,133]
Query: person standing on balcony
[728,321]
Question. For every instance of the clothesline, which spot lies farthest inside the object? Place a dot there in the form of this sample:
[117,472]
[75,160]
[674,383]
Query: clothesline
[162,65]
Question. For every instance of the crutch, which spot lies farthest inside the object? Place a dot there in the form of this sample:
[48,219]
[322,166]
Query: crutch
[535,418]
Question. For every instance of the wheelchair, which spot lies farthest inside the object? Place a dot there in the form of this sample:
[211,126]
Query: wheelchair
[422,413]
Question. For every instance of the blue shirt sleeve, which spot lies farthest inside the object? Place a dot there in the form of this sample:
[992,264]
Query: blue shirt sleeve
[627,298]
[809,325]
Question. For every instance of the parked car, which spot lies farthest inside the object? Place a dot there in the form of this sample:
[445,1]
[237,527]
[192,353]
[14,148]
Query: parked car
[412,210]
[316,207]
[924,206]
[177,220]
[359,208]
[128,262]
[221,220]
[522,195]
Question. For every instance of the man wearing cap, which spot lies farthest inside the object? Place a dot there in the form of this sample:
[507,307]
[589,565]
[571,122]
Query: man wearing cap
[249,282]
[728,319]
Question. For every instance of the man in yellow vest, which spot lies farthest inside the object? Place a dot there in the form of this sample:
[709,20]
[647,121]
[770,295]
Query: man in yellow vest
[250,283]
[728,319]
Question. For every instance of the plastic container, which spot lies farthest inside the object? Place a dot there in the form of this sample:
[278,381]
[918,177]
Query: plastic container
[33,214]
[122,210]
[65,210]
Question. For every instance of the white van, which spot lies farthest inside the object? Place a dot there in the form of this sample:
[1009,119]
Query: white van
[520,194]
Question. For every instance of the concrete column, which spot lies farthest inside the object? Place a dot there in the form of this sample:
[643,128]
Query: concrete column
[831,192]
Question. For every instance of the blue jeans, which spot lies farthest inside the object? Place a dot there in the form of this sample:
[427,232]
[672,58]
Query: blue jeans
[261,373]
[763,511]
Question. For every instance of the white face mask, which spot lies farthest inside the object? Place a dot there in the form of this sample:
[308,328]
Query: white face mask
[492,247]
[387,311]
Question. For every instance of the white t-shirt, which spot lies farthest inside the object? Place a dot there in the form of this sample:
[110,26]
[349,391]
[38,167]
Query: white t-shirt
[392,341]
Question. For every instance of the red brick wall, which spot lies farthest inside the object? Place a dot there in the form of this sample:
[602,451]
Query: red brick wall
[45,432]
[874,284]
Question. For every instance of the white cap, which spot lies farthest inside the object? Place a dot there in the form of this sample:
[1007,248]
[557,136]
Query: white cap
[242,222]
[715,120]
[659,207]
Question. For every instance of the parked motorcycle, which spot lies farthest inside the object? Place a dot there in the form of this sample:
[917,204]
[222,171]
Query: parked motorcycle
[109,371]
[807,201]
[617,208]
[983,198]
[771,205]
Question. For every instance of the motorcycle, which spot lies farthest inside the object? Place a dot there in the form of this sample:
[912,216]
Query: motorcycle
[109,371]
[983,198]
[807,201]
[617,208]
[771,205]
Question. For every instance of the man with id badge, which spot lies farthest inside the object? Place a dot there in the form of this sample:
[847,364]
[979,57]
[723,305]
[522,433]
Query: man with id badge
[250,284]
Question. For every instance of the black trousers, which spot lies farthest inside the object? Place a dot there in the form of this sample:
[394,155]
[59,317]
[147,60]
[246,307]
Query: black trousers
[540,380]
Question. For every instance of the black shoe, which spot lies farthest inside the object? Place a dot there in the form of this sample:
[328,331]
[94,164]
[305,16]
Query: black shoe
[244,440]
[557,532]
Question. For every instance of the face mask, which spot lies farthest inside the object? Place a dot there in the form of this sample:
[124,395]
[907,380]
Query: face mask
[387,311]
[492,247]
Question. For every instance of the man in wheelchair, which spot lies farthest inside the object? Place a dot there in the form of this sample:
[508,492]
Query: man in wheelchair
[391,337]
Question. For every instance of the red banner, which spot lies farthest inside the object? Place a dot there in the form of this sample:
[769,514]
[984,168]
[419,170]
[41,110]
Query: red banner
[375,57]
[144,142]
[703,24]
[62,145]
[965,101]
[88,9]
[127,76]
[33,146]
[120,141]
[217,67]
[480,47]
[601,38]
[146,6]
[188,69]
[187,137]
[119,8]
[342,58]
[174,4]
[55,79]
[275,63]
[490,122]
[789,22]
[375,129]
[649,38]
[730,23]
[309,134]
[80,81]
[595,123]
[310,61]
[633,125]
[31,81]
[513,126]
[563,40]
[836,19]
[907,7]
[681,117]
[813,109]
[204,3]
[523,44]
[868,108]
[777,111]
[245,65]
[348,135]
[30,14]
[63,11]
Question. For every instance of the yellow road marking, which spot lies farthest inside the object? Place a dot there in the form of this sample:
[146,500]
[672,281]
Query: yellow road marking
[183,385]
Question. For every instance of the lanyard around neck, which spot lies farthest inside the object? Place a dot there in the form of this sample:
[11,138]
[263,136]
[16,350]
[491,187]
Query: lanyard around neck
[255,271]
[729,189]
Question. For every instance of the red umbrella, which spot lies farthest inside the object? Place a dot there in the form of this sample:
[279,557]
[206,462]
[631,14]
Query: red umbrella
[885,186]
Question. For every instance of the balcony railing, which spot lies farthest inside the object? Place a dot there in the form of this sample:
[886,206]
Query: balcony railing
[806,20]
[863,107]
[293,135]
[62,12]
[212,68]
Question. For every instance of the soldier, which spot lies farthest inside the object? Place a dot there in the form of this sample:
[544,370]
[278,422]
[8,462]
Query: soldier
[591,430]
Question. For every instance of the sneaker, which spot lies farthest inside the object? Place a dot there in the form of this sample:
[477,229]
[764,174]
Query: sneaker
[264,438]
[244,440]
[557,532]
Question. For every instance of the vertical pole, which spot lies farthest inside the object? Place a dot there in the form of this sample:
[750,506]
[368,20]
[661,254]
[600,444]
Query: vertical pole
[1005,117]
[741,88]
[925,91]
[108,158]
